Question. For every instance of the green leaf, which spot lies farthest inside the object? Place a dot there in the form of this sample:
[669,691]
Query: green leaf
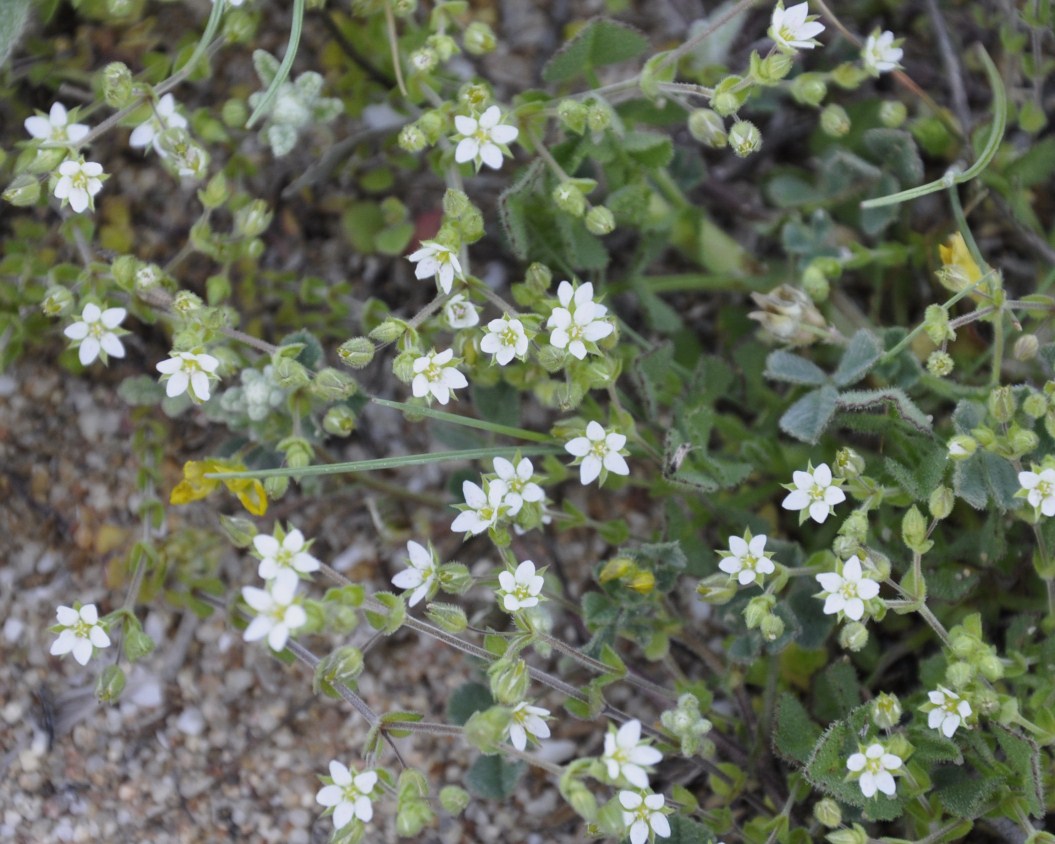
[494,778]
[931,747]
[685,831]
[1035,166]
[600,42]
[795,733]
[836,691]
[466,700]
[1023,757]
[897,151]
[860,356]
[807,418]
[13,16]
[141,390]
[499,404]
[964,794]
[657,69]
[905,407]
[789,190]
[983,479]
[650,149]
[784,366]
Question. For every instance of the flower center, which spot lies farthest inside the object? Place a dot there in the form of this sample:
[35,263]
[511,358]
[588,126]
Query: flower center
[80,180]
[1043,489]
[875,766]
[600,449]
[433,372]
[509,337]
[817,492]
[848,589]
[82,629]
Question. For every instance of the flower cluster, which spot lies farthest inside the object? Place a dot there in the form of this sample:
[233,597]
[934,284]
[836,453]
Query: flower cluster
[503,495]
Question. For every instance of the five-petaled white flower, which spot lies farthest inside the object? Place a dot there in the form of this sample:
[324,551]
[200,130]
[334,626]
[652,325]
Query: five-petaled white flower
[420,573]
[277,613]
[79,182]
[795,28]
[881,53]
[598,450]
[164,117]
[519,486]
[289,553]
[505,339]
[813,491]
[520,589]
[435,375]
[949,712]
[1039,488]
[875,765]
[483,139]
[747,559]
[483,507]
[626,757]
[527,721]
[347,795]
[847,592]
[55,128]
[80,633]
[578,320]
[95,333]
[460,312]
[187,372]
[641,812]
[436,259]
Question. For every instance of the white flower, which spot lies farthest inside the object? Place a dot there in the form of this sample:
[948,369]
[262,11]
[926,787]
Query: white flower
[435,259]
[79,182]
[876,765]
[435,374]
[625,756]
[847,592]
[81,632]
[419,575]
[519,590]
[641,811]
[518,483]
[277,614]
[1040,490]
[94,333]
[527,721]
[347,795]
[881,53]
[747,559]
[578,320]
[289,553]
[460,312]
[55,128]
[188,370]
[483,140]
[950,711]
[794,29]
[484,507]
[505,339]
[598,450]
[812,490]
[164,117]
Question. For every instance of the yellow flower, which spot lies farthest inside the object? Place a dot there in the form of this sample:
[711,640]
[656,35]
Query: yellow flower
[195,486]
[959,270]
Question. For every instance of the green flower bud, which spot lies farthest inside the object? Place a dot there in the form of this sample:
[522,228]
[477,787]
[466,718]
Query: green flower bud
[298,451]
[475,96]
[186,303]
[853,636]
[771,628]
[886,711]
[57,302]
[569,199]
[137,644]
[708,128]
[117,85]
[835,122]
[455,578]
[404,8]
[403,366]
[340,667]
[454,799]
[443,46]
[424,60]
[849,464]
[744,138]
[1026,347]
[728,96]
[1038,837]
[892,114]
[276,487]
[849,75]
[120,8]
[215,193]
[253,219]
[538,278]
[509,680]
[234,113]
[389,331]
[856,835]
[600,221]
[572,114]
[991,667]
[357,352]
[941,502]
[717,589]
[23,191]
[580,798]
[448,617]
[479,39]
[339,421]
[771,69]
[855,526]
[959,674]
[845,547]
[456,203]
[757,609]
[239,530]
[940,364]
[331,384]
[486,729]
[1021,441]
[598,115]
[412,811]
[110,684]
[962,446]
[412,139]
[809,89]
[1035,405]
[1001,404]
[433,123]
[828,813]
[936,324]
[290,374]
[814,281]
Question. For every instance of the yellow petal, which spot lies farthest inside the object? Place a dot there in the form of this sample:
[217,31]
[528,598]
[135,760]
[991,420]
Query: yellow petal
[194,486]
[251,493]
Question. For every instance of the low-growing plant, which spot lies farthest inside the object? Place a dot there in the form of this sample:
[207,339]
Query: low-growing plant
[661,303]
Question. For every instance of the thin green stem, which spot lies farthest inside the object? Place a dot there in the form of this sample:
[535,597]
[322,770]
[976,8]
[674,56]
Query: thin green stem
[599,667]
[283,69]
[466,421]
[393,45]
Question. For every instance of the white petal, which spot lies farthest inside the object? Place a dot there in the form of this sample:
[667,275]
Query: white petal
[343,814]
[589,469]
[82,651]
[67,616]
[819,511]
[329,795]
[466,150]
[614,462]
[340,774]
[465,125]
[64,644]
[88,351]
[490,155]
[113,346]
[76,331]
[796,500]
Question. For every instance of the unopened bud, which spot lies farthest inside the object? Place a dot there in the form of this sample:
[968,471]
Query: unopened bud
[814,281]
[809,89]
[962,446]
[486,729]
[389,331]
[853,636]
[253,219]
[1001,404]
[835,122]
[290,374]
[941,502]
[331,384]
[886,711]
[448,617]
[1035,405]
[423,60]
[572,114]
[339,421]
[771,628]
[137,643]
[893,113]
[707,127]
[357,352]
[454,799]
[298,451]
[23,191]
[538,277]
[239,530]
[569,199]
[600,221]
[849,463]
[716,589]
[110,684]
[1026,347]
[854,835]
[744,138]
[412,139]
[479,39]
[117,85]
[991,667]
[828,813]
[57,302]
[509,680]
[959,674]
[598,115]
[757,609]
